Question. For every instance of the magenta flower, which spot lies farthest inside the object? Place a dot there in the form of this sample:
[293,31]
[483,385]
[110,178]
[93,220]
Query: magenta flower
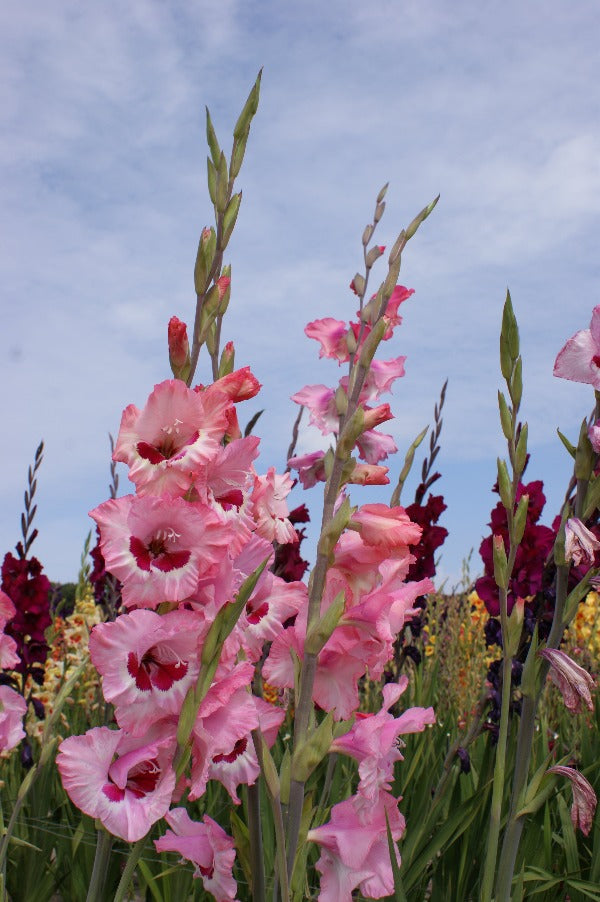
[580,544]
[373,740]
[147,663]
[579,360]
[129,792]
[13,708]
[574,682]
[167,443]
[354,849]
[207,846]
[584,797]
[157,546]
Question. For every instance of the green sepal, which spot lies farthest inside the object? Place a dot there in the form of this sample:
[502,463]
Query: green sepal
[230,217]
[520,520]
[584,455]
[242,126]
[321,630]
[222,186]
[212,180]
[570,448]
[505,485]
[328,462]
[237,157]
[187,717]
[505,417]
[509,338]
[211,137]
[391,280]
[500,562]
[382,193]
[204,261]
[309,754]
[359,284]
[341,727]
[372,342]
[352,431]
[516,383]
[332,531]
[420,218]
[521,450]
[515,627]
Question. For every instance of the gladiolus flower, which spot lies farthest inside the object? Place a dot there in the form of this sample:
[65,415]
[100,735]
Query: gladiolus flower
[574,682]
[167,443]
[207,846]
[13,708]
[270,507]
[584,797]
[354,849]
[579,359]
[580,543]
[128,793]
[386,527]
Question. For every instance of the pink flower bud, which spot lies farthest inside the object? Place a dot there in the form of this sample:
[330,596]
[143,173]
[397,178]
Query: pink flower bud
[179,348]
[222,285]
[594,436]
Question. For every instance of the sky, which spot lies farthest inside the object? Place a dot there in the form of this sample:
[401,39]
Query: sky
[102,177]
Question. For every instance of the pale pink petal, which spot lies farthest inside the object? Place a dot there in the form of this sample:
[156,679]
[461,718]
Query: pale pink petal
[13,708]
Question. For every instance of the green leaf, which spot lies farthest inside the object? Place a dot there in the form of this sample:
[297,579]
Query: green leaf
[570,448]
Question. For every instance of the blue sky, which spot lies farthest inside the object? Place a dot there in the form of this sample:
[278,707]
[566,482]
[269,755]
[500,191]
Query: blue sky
[102,171]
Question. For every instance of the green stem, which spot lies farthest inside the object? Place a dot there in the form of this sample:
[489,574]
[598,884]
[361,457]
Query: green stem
[104,843]
[132,860]
[500,764]
[256,844]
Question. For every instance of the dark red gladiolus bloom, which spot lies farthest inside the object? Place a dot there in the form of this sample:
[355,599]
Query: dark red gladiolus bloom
[433,536]
[289,564]
[29,590]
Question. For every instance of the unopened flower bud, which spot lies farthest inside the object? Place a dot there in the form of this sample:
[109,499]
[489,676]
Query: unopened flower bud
[179,347]
[227,360]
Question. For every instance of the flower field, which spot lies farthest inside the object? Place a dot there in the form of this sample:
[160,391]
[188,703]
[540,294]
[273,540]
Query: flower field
[205,714]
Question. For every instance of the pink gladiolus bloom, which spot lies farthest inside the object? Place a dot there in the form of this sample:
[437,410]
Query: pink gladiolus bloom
[375,416]
[270,507]
[147,663]
[584,797]
[310,467]
[380,378]
[320,401]
[388,528]
[579,359]
[207,846]
[580,543]
[354,849]
[391,315]
[9,656]
[374,446]
[331,333]
[574,683]
[241,385]
[373,740]
[7,609]
[158,546]
[166,444]
[128,793]
[13,708]
[272,603]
